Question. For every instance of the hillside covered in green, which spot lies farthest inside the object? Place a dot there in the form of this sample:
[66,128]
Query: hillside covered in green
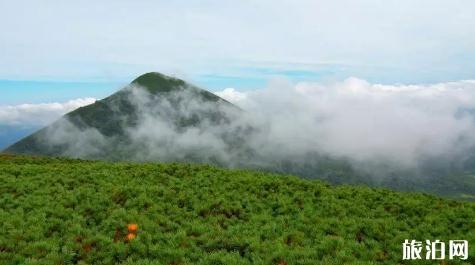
[102,130]
[63,211]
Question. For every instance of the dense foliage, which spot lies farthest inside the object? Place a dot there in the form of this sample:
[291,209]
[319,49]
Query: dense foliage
[60,211]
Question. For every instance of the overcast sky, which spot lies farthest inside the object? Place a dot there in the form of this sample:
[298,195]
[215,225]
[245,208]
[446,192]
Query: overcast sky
[384,41]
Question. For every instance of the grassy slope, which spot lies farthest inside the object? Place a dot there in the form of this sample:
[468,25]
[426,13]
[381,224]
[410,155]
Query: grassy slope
[59,211]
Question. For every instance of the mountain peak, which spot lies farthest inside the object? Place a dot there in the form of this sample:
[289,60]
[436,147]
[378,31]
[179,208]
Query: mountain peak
[156,82]
[113,117]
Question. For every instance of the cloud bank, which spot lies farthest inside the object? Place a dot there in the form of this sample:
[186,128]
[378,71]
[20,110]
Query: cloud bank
[368,38]
[361,121]
[39,114]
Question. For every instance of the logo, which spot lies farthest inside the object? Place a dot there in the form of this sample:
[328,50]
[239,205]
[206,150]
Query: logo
[434,250]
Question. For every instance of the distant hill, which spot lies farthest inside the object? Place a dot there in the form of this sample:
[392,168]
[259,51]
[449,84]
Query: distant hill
[64,211]
[99,130]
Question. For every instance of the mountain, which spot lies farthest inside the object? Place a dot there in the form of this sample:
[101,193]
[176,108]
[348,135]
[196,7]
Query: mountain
[104,129]
[65,211]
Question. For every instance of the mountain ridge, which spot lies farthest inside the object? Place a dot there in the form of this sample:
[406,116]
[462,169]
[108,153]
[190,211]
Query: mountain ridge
[114,113]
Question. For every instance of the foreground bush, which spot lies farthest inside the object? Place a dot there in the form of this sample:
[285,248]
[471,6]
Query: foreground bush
[59,211]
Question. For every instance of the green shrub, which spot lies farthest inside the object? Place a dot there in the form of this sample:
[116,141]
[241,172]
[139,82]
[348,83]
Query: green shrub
[60,211]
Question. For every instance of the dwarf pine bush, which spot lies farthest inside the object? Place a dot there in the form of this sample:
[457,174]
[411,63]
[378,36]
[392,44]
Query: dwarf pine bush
[62,211]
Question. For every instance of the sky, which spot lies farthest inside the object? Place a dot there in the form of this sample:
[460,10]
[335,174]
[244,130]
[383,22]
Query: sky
[55,51]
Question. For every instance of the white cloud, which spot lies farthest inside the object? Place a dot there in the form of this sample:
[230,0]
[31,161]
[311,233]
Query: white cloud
[39,114]
[364,121]
[231,95]
[419,36]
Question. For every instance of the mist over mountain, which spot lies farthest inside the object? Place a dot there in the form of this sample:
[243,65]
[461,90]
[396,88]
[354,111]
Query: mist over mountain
[107,127]
[160,118]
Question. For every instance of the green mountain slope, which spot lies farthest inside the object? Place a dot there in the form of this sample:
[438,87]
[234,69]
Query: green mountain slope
[105,123]
[61,211]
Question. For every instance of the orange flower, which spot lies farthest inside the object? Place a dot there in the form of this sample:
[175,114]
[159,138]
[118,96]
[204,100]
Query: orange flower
[132,228]
[130,236]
